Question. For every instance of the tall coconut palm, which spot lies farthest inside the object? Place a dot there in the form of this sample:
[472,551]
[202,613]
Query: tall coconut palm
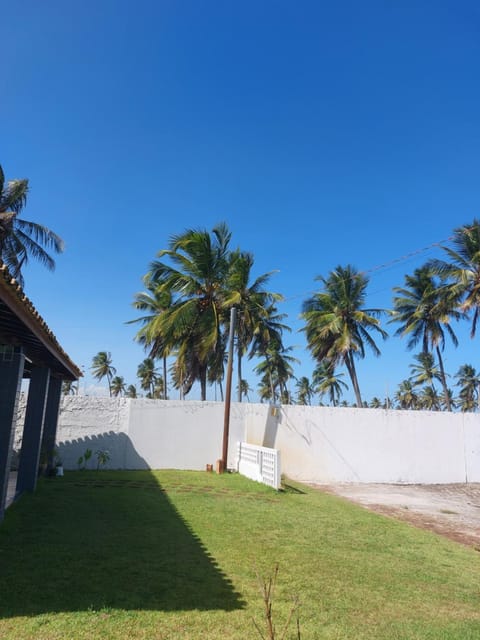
[217,362]
[469,382]
[246,389]
[69,388]
[251,301]
[430,399]
[337,325]
[463,268]
[118,386]
[148,376]
[305,390]
[327,382]
[22,239]
[424,369]
[276,370]
[375,403]
[195,275]
[406,395]
[154,302]
[131,391]
[425,308]
[102,368]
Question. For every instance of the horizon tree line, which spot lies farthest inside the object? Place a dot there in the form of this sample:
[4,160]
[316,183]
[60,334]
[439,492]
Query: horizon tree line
[194,283]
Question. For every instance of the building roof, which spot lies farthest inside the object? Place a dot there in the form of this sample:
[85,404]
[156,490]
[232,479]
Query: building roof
[21,324]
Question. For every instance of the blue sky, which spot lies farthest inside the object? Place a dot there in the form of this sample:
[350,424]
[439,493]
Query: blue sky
[321,134]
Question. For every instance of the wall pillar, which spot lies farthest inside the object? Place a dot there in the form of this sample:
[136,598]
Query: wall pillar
[51,420]
[32,430]
[12,361]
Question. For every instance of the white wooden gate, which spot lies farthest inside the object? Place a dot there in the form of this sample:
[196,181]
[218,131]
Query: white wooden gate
[259,463]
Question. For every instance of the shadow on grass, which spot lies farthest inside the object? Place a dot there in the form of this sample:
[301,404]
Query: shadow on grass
[100,540]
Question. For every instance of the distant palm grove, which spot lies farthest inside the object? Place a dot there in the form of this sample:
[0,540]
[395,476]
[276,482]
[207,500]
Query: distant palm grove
[194,283]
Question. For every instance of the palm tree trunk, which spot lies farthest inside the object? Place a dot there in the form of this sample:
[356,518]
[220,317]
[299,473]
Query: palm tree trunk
[350,364]
[221,389]
[164,377]
[239,374]
[444,380]
[203,383]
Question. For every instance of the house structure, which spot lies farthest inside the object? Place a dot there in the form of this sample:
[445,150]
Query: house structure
[28,349]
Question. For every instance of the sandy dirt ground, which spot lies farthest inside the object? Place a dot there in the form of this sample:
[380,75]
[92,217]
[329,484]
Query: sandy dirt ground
[451,510]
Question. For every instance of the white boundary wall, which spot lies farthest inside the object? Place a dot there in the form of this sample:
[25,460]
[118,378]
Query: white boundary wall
[324,444]
[146,434]
[318,444]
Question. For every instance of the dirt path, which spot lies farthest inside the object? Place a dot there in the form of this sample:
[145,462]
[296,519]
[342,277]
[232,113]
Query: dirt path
[452,510]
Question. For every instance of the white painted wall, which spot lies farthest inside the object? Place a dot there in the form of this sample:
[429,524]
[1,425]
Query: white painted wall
[146,434]
[318,444]
[324,444]
[182,435]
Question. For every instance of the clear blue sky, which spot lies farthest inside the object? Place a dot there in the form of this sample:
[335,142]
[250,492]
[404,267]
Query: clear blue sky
[322,133]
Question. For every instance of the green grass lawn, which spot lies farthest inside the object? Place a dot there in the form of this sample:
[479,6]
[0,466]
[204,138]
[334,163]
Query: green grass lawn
[157,555]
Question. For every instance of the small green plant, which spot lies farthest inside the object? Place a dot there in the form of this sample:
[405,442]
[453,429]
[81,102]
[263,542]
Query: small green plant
[103,456]
[83,460]
[267,589]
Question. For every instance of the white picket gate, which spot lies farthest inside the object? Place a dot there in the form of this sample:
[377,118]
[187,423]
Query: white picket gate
[259,463]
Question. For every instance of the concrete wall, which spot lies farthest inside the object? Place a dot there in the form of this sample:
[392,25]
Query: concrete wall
[318,444]
[146,434]
[323,444]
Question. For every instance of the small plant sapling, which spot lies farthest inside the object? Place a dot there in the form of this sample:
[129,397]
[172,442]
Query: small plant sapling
[83,460]
[103,456]
[267,589]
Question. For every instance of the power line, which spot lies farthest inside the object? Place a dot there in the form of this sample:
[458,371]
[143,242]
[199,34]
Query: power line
[383,266]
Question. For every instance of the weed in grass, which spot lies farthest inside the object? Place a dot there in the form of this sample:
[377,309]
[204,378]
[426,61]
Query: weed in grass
[267,589]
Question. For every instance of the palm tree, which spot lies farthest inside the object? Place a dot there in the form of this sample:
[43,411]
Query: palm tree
[251,301]
[155,301]
[276,370]
[195,279]
[337,325]
[469,383]
[216,364]
[424,310]
[69,388]
[463,268]
[406,396]
[158,390]
[424,370]
[305,391]
[430,399]
[131,391]
[118,386]
[21,239]
[148,376]
[326,381]
[246,389]
[102,368]
[375,403]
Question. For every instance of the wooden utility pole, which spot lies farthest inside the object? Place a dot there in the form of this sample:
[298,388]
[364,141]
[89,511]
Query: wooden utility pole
[228,389]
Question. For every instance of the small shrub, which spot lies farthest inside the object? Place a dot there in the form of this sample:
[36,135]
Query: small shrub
[103,456]
[267,589]
[83,460]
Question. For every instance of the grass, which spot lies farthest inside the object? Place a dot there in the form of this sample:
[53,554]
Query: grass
[173,555]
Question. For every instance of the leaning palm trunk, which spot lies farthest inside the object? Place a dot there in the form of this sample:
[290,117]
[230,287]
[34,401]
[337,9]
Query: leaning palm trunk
[350,364]
[444,380]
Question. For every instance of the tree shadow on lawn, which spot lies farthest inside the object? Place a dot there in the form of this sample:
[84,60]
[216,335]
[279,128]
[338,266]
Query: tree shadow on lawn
[97,540]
